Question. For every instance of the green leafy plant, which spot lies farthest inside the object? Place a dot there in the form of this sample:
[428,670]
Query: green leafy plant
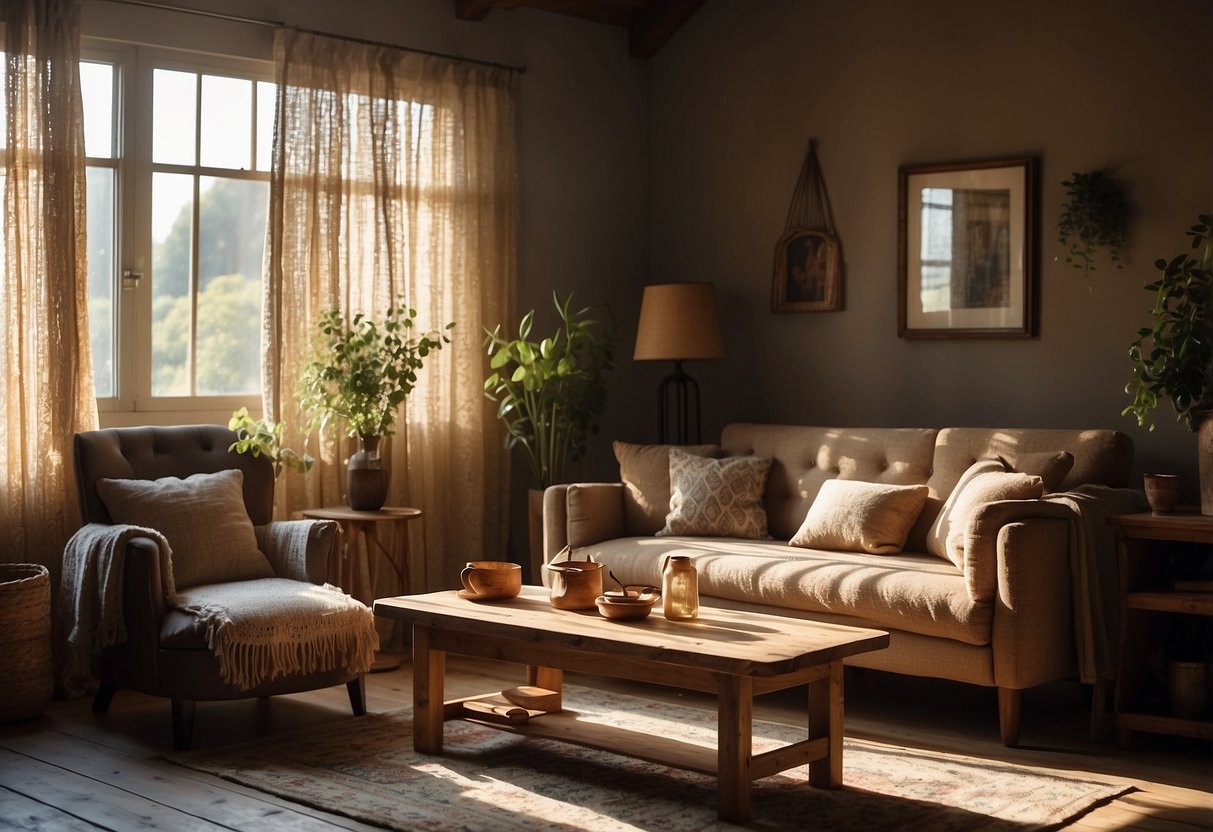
[261,437]
[362,370]
[1095,215]
[550,392]
[1174,356]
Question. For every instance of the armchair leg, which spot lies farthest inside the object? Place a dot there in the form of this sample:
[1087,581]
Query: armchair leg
[1008,715]
[357,691]
[103,697]
[183,723]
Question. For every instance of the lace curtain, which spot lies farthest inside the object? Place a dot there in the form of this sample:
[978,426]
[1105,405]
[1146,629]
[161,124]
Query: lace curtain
[394,174]
[46,384]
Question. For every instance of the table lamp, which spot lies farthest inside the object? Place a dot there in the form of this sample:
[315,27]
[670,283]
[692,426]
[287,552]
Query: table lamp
[679,322]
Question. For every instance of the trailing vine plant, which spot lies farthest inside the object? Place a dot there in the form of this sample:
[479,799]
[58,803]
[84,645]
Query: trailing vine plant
[1094,216]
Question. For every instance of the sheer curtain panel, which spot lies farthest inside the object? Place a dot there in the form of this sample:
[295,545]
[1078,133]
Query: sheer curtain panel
[394,175]
[46,384]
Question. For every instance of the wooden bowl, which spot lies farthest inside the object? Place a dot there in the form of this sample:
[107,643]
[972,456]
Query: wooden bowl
[617,607]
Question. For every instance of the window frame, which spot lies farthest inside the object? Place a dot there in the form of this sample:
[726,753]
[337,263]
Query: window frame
[133,102]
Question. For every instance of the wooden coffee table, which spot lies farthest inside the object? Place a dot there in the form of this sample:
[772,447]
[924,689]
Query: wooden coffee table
[733,654]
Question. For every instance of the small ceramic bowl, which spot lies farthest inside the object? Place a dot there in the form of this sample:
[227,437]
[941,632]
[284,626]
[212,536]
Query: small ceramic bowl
[616,606]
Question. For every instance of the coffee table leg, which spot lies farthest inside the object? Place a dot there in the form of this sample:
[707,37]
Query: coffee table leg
[429,670]
[548,678]
[825,720]
[734,748]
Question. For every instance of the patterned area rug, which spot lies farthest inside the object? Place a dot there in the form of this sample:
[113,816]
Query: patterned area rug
[486,779]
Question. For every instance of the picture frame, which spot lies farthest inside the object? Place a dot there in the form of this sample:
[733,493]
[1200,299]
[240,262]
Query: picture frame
[967,249]
[808,272]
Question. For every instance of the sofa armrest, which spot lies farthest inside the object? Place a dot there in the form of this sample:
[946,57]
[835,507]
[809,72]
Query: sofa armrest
[299,549]
[981,540]
[581,514]
[1022,549]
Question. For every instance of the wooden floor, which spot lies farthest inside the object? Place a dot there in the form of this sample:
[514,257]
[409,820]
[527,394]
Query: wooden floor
[70,769]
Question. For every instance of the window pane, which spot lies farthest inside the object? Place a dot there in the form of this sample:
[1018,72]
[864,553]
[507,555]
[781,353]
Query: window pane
[227,122]
[267,102]
[97,90]
[102,285]
[231,240]
[172,312]
[173,117]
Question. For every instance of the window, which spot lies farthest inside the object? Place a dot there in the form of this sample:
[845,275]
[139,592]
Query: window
[178,178]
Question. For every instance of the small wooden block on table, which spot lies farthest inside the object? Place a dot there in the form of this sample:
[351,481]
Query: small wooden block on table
[736,655]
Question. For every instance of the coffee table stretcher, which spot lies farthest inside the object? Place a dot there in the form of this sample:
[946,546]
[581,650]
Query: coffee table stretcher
[734,764]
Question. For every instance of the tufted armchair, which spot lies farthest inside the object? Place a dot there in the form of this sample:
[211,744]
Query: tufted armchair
[166,650]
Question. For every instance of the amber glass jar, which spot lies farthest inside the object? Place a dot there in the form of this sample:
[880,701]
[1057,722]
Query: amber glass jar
[679,588]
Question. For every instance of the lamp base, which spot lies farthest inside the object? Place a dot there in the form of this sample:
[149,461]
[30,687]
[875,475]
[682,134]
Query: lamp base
[679,406]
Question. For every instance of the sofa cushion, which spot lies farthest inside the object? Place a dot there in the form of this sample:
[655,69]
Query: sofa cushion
[645,473]
[917,593]
[202,517]
[717,496]
[852,515]
[986,481]
[1050,466]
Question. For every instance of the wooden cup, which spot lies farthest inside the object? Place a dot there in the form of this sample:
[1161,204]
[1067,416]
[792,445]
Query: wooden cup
[488,580]
[1162,492]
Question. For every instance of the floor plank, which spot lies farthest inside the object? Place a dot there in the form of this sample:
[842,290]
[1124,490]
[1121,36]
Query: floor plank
[72,769]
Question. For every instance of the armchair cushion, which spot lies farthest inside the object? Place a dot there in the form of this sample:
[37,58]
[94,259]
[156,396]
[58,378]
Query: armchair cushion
[298,549]
[203,518]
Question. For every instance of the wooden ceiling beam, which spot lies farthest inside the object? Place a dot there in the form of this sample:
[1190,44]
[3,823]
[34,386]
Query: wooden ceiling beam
[658,25]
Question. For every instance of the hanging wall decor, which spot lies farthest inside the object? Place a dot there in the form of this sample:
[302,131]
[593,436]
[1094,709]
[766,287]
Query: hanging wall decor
[808,257]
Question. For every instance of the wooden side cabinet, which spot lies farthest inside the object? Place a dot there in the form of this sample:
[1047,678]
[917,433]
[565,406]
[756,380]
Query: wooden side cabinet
[1151,598]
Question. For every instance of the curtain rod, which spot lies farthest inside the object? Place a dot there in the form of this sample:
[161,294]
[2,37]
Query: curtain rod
[278,24]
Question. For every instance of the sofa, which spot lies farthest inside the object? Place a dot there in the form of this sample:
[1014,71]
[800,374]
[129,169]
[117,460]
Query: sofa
[983,552]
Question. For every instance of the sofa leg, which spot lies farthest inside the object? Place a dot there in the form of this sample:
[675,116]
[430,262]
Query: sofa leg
[183,723]
[102,698]
[1008,715]
[357,691]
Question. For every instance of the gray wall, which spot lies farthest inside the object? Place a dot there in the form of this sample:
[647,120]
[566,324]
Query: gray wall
[1124,85]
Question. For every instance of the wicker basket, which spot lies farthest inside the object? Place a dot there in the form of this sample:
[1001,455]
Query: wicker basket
[26,673]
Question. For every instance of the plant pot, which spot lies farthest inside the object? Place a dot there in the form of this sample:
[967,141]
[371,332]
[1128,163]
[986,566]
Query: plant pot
[1204,459]
[1162,492]
[365,477]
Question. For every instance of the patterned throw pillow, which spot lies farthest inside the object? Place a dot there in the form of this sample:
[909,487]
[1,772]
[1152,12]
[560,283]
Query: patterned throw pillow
[858,516]
[717,497]
[202,517]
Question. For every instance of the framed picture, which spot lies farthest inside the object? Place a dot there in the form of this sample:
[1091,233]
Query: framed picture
[808,272]
[967,249]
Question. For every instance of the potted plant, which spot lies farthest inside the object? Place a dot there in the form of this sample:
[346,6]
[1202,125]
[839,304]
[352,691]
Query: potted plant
[360,372]
[549,393]
[261,437]
[1094,215]
[1173,357]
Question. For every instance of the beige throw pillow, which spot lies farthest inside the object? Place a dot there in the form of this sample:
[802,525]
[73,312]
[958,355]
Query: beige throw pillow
[1050,466]
[203,518]
[645,473]
[717,497]
[853,516]
[986,481]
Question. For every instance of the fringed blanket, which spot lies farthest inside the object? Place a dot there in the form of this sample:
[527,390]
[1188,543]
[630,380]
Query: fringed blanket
[271,627]
[1094,574]
[259,630]
[90,597]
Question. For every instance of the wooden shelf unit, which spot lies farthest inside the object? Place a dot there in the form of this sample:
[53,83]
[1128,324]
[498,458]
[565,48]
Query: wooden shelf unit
[1147,597]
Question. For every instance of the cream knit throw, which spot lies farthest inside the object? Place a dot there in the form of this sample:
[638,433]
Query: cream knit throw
[262,629]
[90,597]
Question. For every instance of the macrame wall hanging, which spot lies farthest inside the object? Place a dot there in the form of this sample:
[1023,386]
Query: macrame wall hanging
[808,257]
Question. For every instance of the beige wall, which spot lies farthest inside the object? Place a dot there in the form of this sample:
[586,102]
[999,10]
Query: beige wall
[1125,85]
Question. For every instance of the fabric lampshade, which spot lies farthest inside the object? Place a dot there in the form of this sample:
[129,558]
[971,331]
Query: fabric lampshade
[678,322]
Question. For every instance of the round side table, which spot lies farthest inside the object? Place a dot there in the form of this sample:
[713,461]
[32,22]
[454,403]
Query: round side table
[364,524]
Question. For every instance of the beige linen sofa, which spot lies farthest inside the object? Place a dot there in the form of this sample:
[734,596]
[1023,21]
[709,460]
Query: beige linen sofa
[1004,615]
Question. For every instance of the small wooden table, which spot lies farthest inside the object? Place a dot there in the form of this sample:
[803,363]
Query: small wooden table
[734,654]
[1148,595]
[343,570]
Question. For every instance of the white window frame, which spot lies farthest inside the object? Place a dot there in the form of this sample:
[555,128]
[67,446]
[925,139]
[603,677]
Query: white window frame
[134,402]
